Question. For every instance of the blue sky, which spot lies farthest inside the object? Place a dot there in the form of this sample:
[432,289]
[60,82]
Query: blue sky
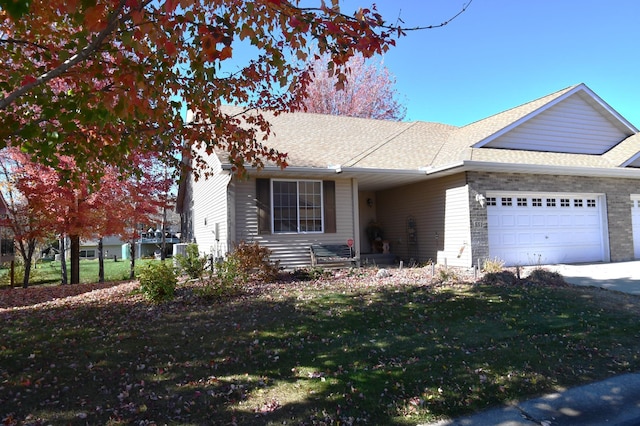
[502,53]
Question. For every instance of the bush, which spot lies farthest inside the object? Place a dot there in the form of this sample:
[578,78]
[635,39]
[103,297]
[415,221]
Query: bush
[245,262]
[500,278]
[192,263]
[18,275]
[493,265]
[158,281]
[546,277]
[311,274]
[253,260]
[227,281]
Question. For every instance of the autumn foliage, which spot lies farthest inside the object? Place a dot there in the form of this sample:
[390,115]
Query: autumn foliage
[369,91]
[41,207]
[96,80]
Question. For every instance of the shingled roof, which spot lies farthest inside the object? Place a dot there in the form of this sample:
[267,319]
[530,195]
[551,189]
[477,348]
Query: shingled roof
[320,141]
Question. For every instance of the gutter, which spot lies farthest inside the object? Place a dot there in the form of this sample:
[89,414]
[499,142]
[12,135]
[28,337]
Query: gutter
[484,166]
[457,167]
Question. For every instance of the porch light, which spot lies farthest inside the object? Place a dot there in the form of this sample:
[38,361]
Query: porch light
[369,202]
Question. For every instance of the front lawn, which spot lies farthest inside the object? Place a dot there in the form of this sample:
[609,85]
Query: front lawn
[352,349]
[50,272]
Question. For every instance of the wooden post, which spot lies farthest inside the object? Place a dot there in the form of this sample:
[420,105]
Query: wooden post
[13,273]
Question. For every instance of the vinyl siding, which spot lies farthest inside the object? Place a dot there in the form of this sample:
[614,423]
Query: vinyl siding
[572,126]
[457,228]
[210,212]
[291,250]
[425,203]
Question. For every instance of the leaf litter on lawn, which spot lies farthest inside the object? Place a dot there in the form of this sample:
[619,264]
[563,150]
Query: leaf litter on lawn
[350,348]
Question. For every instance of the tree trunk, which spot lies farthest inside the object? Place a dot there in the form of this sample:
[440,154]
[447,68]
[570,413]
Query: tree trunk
[163,255]
[63,259]
[100,261]
[132,252]
[75,259]
[26,251]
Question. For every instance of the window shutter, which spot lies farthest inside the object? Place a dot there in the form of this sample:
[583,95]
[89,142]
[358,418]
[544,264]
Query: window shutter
[263,205]
[329,195]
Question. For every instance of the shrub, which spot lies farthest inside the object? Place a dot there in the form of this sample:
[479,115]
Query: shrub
[493,265]
[158,281]
[501,277]
[544,276]
[18,275]
[246,261]
[192,263]
[227,281]
[252,259]
[446,275]
[311,274]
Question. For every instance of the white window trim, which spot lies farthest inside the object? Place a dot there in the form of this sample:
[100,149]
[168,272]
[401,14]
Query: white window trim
[297,181]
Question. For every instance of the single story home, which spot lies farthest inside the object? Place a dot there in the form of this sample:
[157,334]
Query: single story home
[149,244]
[555,180]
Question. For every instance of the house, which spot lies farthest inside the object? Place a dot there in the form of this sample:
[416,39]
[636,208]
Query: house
[555,180]
[7,245]
[149,244]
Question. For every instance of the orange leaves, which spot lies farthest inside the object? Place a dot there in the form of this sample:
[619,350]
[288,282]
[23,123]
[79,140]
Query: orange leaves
[211,37]
[96,17]
[130,77]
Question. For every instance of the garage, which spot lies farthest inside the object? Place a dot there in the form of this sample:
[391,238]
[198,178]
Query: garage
[536,228]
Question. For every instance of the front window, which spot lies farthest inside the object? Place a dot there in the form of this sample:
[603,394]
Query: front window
[297,206]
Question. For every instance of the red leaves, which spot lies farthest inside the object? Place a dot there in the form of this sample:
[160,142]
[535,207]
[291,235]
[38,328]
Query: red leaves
[130,78]
[29,79]
[95,17]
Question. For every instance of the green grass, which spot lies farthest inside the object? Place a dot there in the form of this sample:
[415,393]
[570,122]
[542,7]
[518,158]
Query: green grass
[349,351]
[49,272]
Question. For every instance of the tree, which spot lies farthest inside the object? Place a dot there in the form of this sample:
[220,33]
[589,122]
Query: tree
[92,80]
[28,224]
[368,93]
[78,209]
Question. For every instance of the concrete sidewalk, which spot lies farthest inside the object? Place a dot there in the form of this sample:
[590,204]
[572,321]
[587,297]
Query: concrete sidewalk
[615,401]
[619,276]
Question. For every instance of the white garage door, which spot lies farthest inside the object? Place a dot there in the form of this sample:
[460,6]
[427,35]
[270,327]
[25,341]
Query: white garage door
[635,223]
[530,229]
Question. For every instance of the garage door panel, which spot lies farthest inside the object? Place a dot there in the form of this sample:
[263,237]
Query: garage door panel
[525,238]
[537,220]
[508,220]
[552,220]
[546,232]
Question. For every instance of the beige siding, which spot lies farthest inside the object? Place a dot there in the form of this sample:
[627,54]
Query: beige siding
[292,250]
[367,215]
[425,203]
[571,126]
[457,228]
[210,215]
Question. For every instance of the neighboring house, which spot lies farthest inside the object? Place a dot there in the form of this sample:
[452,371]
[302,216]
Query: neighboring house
[7,245]
[552,181]
[149,243]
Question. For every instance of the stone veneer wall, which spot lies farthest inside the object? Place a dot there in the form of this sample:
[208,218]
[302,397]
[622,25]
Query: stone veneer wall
[618,204]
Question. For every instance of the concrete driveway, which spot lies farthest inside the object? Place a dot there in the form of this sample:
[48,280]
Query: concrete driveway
[619,276]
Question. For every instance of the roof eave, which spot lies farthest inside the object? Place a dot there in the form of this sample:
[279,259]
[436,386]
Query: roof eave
[485,166]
